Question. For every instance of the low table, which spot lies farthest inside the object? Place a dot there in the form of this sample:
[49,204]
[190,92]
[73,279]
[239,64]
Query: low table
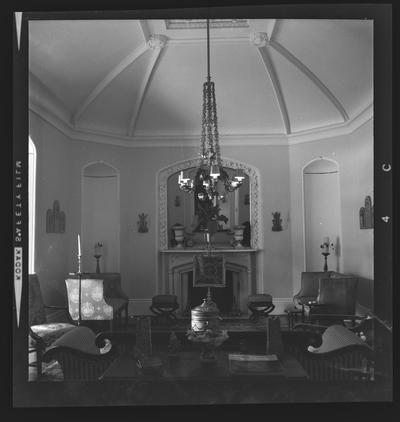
[187,367]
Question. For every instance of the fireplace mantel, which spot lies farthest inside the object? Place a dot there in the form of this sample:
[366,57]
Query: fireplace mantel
[178,262]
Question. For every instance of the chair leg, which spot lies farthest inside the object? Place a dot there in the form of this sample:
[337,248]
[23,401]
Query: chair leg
[39,361]
[126,314]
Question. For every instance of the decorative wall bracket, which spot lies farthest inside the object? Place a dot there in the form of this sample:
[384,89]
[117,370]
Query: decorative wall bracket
[55,219]
[276,222]
[367,214]
[142,223]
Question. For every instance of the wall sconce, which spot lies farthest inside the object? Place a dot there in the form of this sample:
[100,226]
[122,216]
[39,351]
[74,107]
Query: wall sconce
[142,223]
[276,222]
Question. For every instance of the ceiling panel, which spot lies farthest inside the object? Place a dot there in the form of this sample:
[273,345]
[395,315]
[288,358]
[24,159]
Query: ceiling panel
[307,106]
[112,109]
[71,57]
[338,52]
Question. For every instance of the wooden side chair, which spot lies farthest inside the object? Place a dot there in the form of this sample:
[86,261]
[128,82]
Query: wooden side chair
[164,307]
[260,305]
[42,332]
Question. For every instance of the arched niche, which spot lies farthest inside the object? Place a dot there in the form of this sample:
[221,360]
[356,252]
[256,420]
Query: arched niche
[322,213]
[100,216]
[168,173]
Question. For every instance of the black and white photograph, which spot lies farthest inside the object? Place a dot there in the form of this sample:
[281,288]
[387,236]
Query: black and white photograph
[199,216]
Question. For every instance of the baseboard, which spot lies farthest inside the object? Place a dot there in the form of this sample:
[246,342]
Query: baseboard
[141,306]
[281,303]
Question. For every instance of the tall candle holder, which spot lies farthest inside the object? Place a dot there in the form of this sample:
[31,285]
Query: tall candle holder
[326,246]
[79,274]
[97,263]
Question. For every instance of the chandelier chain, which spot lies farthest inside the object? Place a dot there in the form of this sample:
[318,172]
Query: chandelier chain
[205,182]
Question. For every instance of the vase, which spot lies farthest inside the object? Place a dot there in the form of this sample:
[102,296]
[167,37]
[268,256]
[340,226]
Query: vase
[179,235]
[238,236]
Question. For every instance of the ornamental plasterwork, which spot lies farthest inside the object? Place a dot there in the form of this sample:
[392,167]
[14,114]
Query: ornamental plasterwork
[157,41]
[259,39]
[255,203]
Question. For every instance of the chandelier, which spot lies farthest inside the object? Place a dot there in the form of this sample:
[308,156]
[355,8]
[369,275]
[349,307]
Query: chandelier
[210,175]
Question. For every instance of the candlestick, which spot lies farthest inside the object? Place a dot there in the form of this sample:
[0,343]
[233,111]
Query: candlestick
[97,248]
[97,263]
[79,246]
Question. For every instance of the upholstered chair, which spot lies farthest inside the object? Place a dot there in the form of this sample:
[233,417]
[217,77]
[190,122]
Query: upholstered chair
[80,355]
[309,287]
[42,332]
[94,307]
[337,296]
[113,294]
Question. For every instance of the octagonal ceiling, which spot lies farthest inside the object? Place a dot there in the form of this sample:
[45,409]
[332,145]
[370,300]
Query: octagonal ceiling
[140,80]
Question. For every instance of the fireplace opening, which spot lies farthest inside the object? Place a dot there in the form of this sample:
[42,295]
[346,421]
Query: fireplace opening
[222,296]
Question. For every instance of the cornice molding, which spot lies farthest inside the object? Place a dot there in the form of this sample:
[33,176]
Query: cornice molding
[157,140]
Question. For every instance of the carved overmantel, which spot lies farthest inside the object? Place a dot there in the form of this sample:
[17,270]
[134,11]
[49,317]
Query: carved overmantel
[177,263]
[254,186]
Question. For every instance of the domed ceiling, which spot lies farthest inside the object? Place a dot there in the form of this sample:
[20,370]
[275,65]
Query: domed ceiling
[140,82]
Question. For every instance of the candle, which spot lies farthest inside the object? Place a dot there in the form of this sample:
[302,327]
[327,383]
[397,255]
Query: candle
[97,248]
[79,246]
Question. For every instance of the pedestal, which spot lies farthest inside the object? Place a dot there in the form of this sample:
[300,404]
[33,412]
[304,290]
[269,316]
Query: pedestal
[325,254]
[97,263]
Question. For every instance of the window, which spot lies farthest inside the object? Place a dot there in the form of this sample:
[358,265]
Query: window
[31,205]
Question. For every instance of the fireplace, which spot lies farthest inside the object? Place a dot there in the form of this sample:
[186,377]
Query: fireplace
[224,297]
[177,279]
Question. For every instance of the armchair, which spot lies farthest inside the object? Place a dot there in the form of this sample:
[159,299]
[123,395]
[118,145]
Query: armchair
[337,354]
[93,304]
[81,355]
[113,294]
[43,333]
[309,287]
[336,300]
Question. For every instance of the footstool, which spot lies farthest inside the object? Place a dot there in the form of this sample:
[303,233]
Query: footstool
[260,305]
[164,306]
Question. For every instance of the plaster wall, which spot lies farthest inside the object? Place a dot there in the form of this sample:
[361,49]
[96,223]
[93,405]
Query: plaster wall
[137,169]
[59,166]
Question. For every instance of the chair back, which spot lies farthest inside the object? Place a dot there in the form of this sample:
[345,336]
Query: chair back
[93,305]
[339,292]
[37,313]
[310,282]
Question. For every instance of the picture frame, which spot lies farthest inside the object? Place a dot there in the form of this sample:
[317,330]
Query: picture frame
[209,271]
